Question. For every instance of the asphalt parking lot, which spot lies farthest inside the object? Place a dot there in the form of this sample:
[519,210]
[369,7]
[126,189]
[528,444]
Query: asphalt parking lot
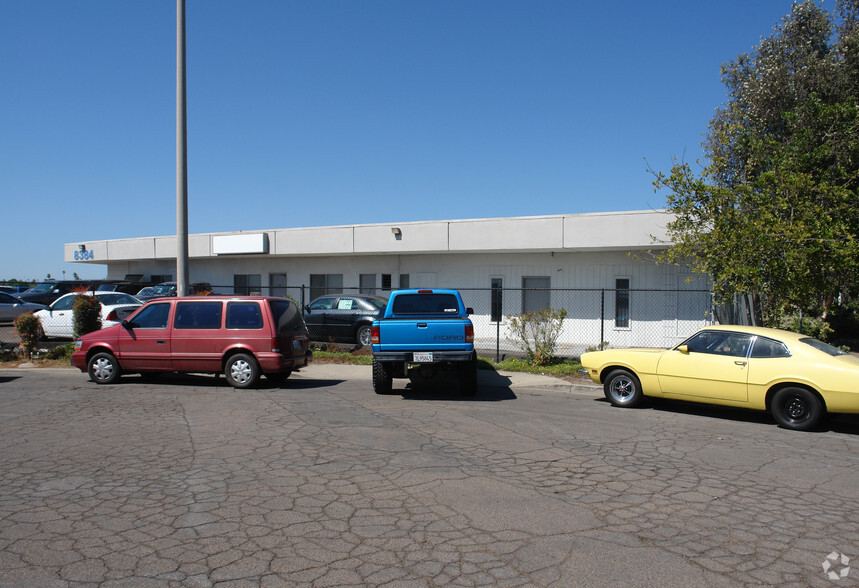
[184,481]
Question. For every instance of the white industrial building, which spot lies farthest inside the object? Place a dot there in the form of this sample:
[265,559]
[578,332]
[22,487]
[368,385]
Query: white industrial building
[594,265]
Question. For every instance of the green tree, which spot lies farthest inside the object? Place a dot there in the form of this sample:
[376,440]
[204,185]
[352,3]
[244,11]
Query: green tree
[774,213]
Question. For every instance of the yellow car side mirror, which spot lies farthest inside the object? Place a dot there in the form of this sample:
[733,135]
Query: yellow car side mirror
[684,349]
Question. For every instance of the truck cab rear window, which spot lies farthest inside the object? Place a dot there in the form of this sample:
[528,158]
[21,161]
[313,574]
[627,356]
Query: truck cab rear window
[423,304]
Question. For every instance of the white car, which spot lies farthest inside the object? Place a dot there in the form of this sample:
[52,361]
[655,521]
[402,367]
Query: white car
[58,319]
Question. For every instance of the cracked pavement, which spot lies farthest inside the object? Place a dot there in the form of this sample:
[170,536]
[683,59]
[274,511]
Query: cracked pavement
[183,481]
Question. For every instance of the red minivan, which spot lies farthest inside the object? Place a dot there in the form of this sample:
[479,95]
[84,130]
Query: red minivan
[242,336]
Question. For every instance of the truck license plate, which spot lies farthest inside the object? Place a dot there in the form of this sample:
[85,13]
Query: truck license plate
[423,357]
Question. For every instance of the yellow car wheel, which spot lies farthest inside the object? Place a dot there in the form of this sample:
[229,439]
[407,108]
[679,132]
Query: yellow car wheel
[622,388]
[796,408]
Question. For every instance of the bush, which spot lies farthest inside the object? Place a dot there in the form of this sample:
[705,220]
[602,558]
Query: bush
[87,315]
[811,326]
[537,333]
[61,352]
[29,329]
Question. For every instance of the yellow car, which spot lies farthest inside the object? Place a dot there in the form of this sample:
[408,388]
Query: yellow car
[797,378]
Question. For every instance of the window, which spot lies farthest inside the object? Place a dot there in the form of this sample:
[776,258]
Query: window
[64,303]
[198,315]
[326,303]
[536,294]
[426,304]
[404,281]
[824,347]
[497,296]
[769,348]
[367,283]
[386,281]
[321,284]
[277,285]
[243,315]
[621,303]
[720,343]
[153,316]
[245,284]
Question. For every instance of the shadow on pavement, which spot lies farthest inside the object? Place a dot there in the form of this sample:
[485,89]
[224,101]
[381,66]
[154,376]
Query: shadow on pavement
[838,423]
[492,387]
[212,381]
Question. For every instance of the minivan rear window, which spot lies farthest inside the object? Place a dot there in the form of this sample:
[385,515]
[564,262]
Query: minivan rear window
[286,316]
[198,315]
[243,315]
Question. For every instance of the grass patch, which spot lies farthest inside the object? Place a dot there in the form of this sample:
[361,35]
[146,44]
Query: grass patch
[359,357]
[559,368]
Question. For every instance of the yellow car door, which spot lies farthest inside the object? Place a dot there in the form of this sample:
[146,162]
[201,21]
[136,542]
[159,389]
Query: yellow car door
[711,365]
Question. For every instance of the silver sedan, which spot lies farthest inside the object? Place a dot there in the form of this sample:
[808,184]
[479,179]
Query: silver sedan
[11,307]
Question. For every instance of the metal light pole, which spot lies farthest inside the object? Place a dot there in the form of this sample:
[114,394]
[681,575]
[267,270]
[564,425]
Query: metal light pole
[181,157]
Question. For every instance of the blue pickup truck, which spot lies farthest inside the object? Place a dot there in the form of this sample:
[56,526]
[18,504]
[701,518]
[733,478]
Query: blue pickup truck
[423,329]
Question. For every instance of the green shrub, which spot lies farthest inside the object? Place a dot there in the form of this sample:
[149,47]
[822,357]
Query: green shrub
[87,315]
[536,333]
[811,326]
[62,352]
[29,329]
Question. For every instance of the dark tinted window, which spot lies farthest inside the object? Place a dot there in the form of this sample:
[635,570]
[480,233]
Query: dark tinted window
[244,315]
[769,348]
[198,315]
[824,347]
[153,316]
[323,304]
[111,298]
[286,316]
[426,304]
[63,303]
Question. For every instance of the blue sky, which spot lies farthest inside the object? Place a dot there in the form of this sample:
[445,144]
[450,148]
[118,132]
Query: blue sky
[331,112]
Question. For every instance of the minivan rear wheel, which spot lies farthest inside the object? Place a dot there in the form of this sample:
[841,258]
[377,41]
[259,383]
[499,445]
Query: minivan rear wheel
[242,371]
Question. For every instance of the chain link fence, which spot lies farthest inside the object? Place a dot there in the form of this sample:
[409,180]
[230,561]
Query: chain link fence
[595,318]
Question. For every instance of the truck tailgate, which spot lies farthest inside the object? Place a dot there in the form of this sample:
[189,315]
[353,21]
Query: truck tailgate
[416,334]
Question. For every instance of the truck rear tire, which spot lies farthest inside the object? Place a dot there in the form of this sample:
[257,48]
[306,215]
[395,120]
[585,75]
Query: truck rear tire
[383,377]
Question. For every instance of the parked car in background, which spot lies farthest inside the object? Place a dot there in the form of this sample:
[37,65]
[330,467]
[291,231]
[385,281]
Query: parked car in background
[343,318]
[58,319]
[169,289]
[797,378]
[123,286]
[46,292]
[11,307]
[242,337]
[13,290]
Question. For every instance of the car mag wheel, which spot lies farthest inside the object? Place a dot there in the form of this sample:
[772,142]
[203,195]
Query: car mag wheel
[103,368]
[796,408]
[242,371]
[363,335]
[622,388]
[383,377]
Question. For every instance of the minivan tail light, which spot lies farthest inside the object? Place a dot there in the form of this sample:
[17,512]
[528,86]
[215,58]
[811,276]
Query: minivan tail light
[275,345]
[374,334]
[469,333]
